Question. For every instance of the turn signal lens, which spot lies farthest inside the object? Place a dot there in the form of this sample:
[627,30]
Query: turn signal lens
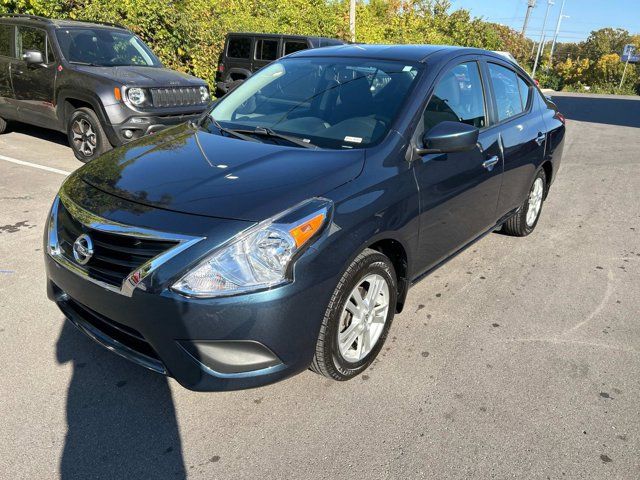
[306,230]
[117,93]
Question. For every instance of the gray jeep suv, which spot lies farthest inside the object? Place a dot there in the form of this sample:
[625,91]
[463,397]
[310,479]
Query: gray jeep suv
[98,83]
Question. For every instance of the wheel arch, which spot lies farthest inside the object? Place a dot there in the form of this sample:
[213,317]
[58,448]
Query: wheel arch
[397,253]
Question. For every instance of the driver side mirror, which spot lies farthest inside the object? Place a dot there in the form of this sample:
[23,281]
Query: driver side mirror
[33,57]
[449,137]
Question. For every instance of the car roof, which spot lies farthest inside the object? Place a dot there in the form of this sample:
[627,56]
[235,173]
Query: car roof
[278,35]
[409,53]
[56,23]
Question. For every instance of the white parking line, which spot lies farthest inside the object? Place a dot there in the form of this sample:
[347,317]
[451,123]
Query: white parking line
[34,165]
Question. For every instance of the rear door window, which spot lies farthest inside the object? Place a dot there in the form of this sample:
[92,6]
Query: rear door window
[525,92]
[239,47]
[506,91]
[6,34]
[291,46]
[458,97]
[266,49]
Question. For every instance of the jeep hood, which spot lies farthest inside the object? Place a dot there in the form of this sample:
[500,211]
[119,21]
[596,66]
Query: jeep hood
[192,171]
[143,76]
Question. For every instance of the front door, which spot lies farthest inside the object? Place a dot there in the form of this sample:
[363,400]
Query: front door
[458,191]
[33,85]
[7,57]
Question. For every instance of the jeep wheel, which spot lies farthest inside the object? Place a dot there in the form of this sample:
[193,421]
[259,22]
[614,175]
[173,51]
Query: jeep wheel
[3,125]
[86,135]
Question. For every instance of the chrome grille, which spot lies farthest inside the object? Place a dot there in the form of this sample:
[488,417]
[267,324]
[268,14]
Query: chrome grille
[176,97]
[115,256]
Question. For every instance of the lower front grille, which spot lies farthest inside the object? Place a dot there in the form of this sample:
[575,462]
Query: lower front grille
[122,339]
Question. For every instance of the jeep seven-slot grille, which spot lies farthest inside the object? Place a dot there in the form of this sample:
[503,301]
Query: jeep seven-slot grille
[115,256]
[176,97]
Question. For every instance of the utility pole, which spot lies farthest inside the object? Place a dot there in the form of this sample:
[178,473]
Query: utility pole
[626,64]
[555,37]
[352,19]
[530,6]
[541,44]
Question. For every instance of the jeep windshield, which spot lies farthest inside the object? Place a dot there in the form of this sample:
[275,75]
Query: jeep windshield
[104,47]
[328,102]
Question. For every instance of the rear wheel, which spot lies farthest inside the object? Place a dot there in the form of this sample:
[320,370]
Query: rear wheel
[358,317]
[524,221]
[86,135]
[3,125]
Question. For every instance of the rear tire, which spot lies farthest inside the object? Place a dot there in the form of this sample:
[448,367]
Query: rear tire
[524,221]
[358,317]
[86,135]
[3,125]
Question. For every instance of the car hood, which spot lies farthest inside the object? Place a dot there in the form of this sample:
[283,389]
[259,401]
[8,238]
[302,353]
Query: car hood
[143,76]
[192,171]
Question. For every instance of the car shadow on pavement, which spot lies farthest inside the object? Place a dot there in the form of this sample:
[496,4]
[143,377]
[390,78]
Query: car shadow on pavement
[41,133]
[121,419]
[620,111]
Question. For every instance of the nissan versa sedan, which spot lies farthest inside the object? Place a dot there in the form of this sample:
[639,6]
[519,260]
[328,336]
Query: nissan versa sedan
[282,230]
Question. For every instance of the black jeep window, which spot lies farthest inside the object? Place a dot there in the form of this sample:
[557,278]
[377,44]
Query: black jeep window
[6,31]
[457,98]
[293,46]
[266,49]
[32,39]
[506,91]
[239,47]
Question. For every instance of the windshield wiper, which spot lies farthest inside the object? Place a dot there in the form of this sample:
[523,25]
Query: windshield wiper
[228,131]
[267,132]
[88,64]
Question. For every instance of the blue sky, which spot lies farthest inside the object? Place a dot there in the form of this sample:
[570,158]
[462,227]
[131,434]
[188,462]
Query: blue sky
[585,15]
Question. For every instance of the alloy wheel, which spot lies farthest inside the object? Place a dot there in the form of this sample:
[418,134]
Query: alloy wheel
[535,201]
[84,137]
[363,318]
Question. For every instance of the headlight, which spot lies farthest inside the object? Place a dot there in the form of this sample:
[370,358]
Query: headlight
[137,96]
[204,94]
[260,257]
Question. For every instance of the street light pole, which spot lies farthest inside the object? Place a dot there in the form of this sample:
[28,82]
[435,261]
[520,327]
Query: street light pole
[352,19]
[541,45]
[555,37]
[530,6]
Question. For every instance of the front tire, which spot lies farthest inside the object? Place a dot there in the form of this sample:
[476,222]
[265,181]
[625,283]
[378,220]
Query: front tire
[86,135]
[3,125]
[524,221]
[358,317]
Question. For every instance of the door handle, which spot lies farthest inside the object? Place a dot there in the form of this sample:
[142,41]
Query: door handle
[541,138]
[491,162]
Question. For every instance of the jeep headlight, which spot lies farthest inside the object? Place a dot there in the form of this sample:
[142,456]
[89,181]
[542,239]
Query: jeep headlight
[137,96]
[259,258]
[204,94]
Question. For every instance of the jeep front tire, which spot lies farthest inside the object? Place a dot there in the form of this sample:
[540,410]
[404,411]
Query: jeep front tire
[86,135]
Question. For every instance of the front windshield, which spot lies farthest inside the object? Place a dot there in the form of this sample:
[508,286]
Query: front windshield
[328,102]
[104,48]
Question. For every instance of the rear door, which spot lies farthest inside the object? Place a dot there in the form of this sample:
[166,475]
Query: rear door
[521,129]
[7,57]
[458,191]
[33,85]
[265,51]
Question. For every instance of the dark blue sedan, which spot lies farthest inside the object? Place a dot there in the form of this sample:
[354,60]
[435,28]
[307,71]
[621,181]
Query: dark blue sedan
[282,230]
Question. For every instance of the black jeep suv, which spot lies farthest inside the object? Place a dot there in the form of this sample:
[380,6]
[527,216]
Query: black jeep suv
[245,53]
[97,82]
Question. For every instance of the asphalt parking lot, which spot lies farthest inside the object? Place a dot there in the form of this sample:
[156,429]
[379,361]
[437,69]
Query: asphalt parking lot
[518,359]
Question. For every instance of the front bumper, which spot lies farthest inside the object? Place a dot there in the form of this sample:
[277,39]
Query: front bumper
[276,330]
[141,125]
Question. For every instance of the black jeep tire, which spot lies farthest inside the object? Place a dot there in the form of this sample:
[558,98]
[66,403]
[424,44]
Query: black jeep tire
[86,135]
[3,125]
[329,359]
[524,221]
